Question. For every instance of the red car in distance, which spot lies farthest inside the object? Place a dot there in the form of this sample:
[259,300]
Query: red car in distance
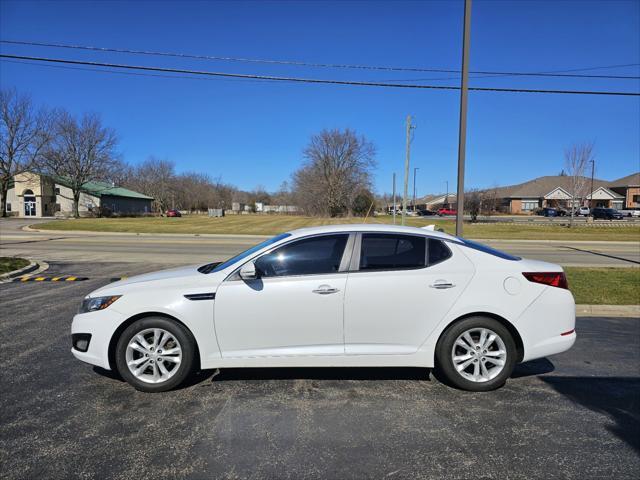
[173,213]
[447,211]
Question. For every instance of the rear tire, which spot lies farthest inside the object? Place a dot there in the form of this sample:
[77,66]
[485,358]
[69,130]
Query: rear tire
[155,354]
[476,354]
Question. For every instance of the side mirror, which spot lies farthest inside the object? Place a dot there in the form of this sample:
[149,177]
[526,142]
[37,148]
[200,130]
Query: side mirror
[248,271]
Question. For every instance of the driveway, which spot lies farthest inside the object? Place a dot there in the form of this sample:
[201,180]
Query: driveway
[572,416]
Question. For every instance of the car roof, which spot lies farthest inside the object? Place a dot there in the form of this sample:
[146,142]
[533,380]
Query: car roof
[370,227]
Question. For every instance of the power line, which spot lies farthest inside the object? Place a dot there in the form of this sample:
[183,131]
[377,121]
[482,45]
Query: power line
[309,80]
[556,73]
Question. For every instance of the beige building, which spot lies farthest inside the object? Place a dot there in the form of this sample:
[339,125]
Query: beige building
[35,195]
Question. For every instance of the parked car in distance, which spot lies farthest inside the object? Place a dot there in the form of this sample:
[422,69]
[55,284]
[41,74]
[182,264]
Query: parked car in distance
[583,211]
[447,211]
[474,311]
[426,213]
[606,213]
[630,213]
[548,212]
[173,213]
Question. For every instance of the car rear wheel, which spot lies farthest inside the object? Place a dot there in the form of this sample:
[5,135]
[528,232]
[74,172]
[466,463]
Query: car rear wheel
[155,354]
[476,354]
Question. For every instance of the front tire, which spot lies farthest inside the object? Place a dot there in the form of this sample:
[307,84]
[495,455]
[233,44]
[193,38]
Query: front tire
[476,354]
[155,354]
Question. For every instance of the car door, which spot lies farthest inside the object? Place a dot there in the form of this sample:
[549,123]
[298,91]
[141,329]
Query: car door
[295,307]
[401,288]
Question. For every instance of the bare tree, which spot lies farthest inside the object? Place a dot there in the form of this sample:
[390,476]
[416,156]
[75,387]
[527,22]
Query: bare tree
[473,203]
[82,150]
[576,159]
[338,165]
[24,133]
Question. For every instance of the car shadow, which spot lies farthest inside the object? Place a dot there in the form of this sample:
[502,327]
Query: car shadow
[533,367]
[616,397]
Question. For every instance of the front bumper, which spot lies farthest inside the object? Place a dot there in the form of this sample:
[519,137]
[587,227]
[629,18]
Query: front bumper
[101,325]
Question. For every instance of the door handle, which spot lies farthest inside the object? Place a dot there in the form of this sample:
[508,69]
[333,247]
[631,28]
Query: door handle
[442,284]
[325,290]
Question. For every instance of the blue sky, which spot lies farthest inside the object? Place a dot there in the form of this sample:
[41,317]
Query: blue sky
[252,133]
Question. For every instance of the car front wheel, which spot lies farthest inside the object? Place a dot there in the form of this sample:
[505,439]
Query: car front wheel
[155,354]
[476,354]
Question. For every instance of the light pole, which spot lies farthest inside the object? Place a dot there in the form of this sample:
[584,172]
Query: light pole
[394,198]
[415,169]
[593,167]
[446,195]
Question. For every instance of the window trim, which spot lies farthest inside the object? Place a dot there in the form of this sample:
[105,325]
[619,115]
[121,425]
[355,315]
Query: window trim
[356,257]
[342,268]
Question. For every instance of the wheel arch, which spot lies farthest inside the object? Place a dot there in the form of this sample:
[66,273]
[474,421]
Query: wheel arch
[506,323]
[124,325]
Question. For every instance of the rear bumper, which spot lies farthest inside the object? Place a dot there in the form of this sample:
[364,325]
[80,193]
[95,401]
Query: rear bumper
[544,322]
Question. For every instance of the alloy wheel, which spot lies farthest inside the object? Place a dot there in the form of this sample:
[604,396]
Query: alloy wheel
[479,354]
[153,355]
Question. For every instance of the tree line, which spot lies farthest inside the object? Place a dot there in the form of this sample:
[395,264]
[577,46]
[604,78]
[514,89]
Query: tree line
[335,178]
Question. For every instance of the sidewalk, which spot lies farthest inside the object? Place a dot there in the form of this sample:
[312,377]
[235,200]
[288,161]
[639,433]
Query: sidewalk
[630,311]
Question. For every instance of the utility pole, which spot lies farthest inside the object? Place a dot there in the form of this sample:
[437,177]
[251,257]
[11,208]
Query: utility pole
[406,169]
[415,169]
[394,198]
[593,167]
[462,135]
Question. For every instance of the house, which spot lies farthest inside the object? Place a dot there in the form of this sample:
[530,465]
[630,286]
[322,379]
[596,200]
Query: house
[555,191]
[37,195]
[629,188]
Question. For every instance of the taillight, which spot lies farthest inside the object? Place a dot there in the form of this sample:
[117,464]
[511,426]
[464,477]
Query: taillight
[553,279]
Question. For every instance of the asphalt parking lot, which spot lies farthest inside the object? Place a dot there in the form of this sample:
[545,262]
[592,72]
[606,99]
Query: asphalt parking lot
[572,416]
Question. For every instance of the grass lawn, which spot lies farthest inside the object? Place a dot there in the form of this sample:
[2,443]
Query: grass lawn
[273,224]
[604,286]
[9,264]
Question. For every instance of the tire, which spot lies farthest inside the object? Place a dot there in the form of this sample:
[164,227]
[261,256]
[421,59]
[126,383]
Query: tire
[490,375]
[141,345]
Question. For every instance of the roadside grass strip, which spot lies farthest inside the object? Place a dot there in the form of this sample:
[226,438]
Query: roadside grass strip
[59,278]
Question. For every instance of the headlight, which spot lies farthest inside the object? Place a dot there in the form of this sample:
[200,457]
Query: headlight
[97,303]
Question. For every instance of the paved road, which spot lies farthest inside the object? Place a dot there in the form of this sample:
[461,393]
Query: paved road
[188,249]
[572,416]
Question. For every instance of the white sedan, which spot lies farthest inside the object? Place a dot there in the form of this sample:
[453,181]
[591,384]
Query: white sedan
[328,297]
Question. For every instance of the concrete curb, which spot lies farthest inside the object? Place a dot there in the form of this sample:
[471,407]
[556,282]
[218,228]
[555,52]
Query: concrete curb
[630,311]
[34,267]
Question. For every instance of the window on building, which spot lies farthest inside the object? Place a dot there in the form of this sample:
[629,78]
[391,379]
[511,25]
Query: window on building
[57,190]
[56,208]
[528,205]
[8,207]
[636,199]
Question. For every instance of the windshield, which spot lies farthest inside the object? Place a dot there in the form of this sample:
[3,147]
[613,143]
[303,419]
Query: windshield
[248,252]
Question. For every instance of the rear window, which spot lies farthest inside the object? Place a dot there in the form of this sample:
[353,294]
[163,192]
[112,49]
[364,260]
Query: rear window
[489,250]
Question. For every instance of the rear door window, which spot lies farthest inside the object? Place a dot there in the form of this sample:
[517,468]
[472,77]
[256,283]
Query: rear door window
[380,251]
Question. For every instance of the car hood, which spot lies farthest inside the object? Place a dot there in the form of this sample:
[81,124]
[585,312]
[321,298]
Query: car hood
[180,277]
